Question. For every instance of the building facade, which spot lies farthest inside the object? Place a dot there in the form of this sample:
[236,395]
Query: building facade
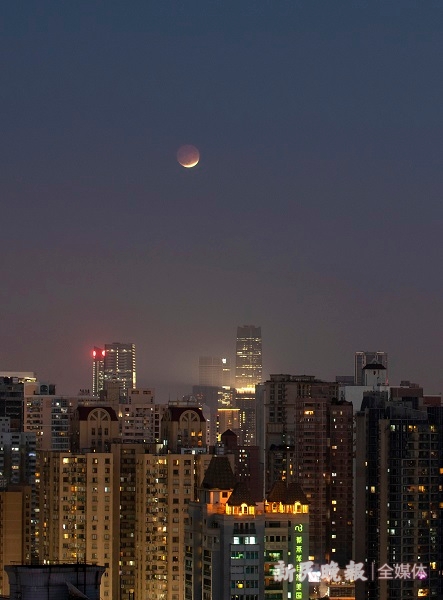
[234,545]
[248,357]
[12,394]
[140,417]
[248,373]
[119,365]
[165,486]
[48,416]
[363,358]
[214,371]
[306,436]
[398,495]
[94,429]
[80,513]
[98,370]
[16,541]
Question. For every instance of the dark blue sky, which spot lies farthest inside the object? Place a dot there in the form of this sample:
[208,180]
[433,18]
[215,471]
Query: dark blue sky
[315,210]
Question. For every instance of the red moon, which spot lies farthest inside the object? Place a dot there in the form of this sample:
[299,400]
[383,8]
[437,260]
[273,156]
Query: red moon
[188,156]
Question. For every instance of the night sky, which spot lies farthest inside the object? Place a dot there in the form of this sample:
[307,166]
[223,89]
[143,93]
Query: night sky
[315,211]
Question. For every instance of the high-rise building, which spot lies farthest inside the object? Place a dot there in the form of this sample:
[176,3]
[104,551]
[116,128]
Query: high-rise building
[48,416]
[214,388]
[18,467]
[94,429]
[98,370]
[165,486]
[248,360]
[398,497]
[214,371]
[227,418]
[364,358]
[183,429]
[306,436]
[15,531]
[246,403]
[80,513]
[88,504]
[17,458]
[248,373]
[234,543]
[12,393]
[140,417]
[119,365]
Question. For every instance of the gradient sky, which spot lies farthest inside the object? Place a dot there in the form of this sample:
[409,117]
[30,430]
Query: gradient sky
[315,211]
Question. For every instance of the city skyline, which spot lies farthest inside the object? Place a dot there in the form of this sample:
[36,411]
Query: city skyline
[147,477]
[172,388]
[315,209]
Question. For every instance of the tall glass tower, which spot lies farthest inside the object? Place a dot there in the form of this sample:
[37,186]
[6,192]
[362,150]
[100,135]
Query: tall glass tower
[248,359]
[248,372]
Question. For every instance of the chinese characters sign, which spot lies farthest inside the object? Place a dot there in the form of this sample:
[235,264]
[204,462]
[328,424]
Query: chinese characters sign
[353,572]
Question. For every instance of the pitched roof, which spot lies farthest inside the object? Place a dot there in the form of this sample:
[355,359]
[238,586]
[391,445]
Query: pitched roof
[241,495]
[228,433]
[219,474]
[175,412]
[287,494]
[84,411]
[295,494]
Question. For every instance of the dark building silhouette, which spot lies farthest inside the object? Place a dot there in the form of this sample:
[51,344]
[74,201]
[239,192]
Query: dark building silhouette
[398,496]
[246,464]
[54,582]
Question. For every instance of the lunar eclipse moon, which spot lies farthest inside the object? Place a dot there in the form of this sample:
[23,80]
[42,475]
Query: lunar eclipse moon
[188,156]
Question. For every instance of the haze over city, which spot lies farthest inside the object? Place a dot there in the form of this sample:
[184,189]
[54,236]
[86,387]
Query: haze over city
[315,210]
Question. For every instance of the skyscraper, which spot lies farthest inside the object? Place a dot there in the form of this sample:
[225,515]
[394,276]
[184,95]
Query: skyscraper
[398,488]
[98,370]
[119,365]
[214,371]
[248,360]
[248,373]
[214,376]
[79,520]
[307,437]
[364,358]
